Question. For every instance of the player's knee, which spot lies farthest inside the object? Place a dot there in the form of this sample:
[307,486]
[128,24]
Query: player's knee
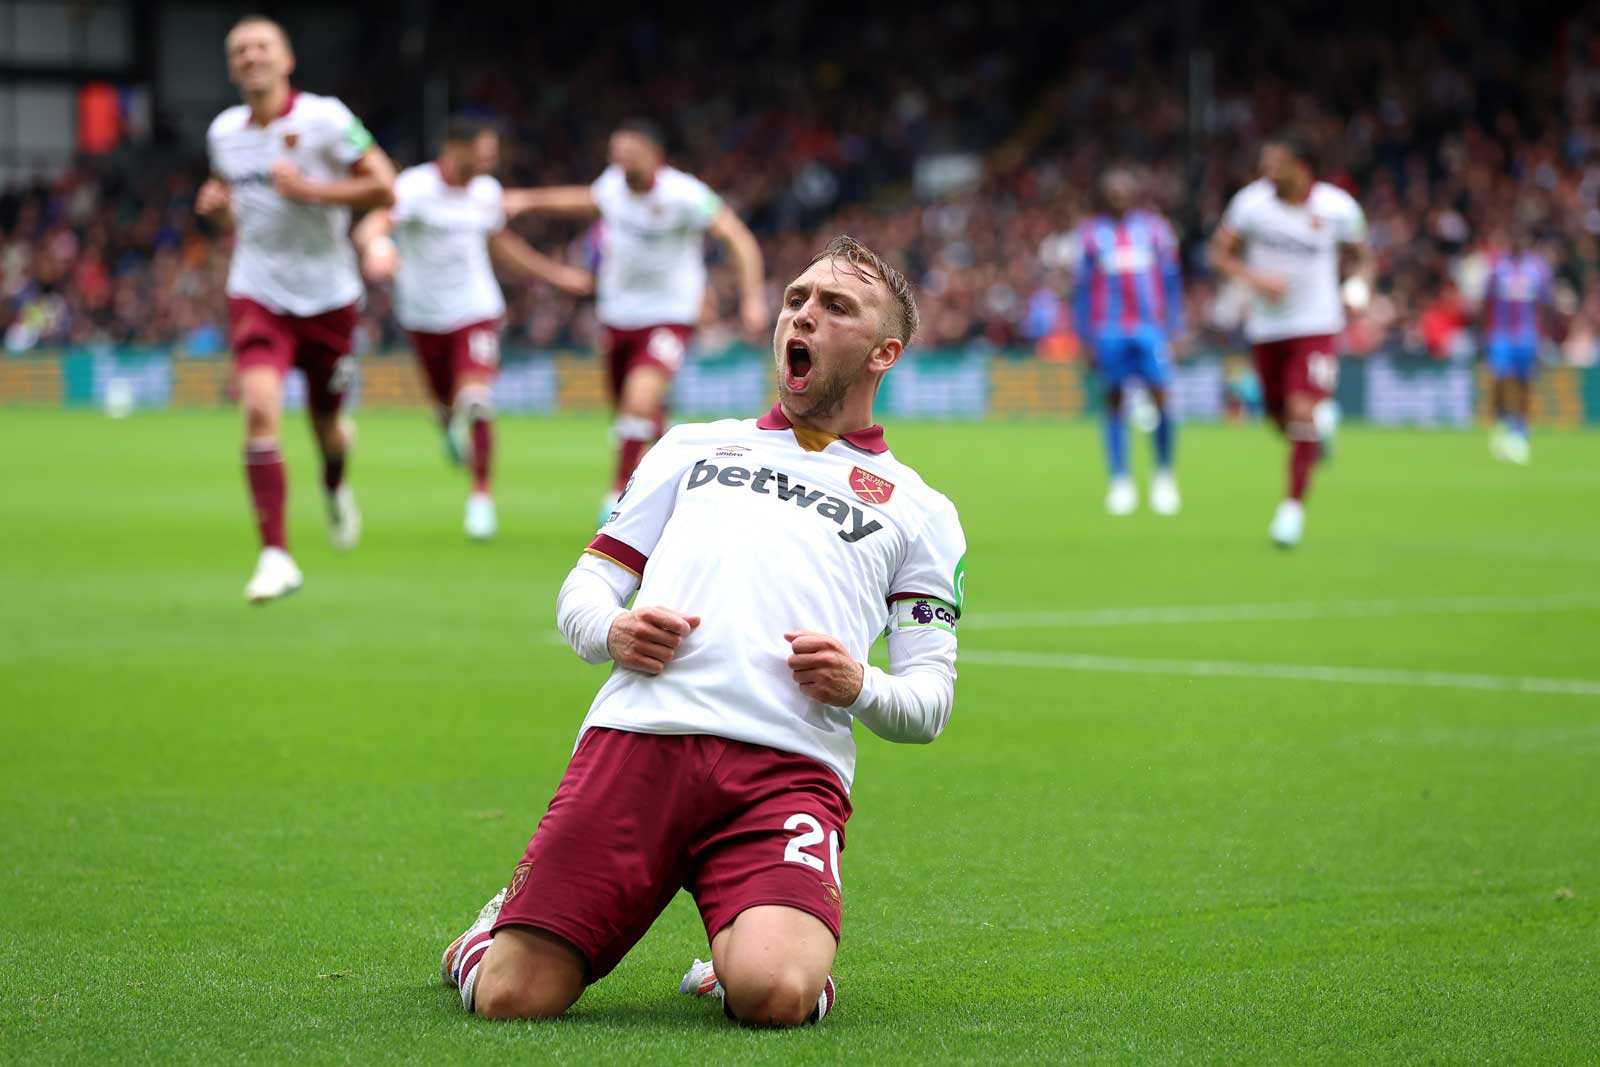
[782,996]
[260,422]
[503,996]
[474,403]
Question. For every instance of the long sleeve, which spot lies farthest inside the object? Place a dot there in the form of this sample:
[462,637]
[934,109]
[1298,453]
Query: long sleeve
[589,602]
[911,702]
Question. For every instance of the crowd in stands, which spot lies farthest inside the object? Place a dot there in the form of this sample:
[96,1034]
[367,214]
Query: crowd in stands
[1447,132]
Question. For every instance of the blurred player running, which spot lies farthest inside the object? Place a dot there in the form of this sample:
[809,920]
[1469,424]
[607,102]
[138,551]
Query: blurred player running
[1285,237]
[718,755]
[1127,301]
[287,169]
[447,223]
[1519,289]
[652,274]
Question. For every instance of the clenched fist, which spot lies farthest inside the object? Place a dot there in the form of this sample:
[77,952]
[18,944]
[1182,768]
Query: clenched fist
[646,639]
[213,200]
[823,670]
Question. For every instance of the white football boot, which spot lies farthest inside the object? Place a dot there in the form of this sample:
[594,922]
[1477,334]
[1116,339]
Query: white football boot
[344,518]
[701,981]
[1288,524]
[1123,496]
[276,576]
[1164,497]
[480,522]
[485,920]
[1517,449]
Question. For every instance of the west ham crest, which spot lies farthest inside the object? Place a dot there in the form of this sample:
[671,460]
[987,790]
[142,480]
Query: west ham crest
[870,487]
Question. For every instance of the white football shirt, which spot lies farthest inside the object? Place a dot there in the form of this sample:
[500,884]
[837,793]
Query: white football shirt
[739,523]
[445,280]
[652,249]
[1299,243]
[290,257]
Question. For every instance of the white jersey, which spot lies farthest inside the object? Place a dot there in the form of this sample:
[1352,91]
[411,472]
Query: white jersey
[740,523]
[1299,243]
[292,258]
[445,280]
[652,249]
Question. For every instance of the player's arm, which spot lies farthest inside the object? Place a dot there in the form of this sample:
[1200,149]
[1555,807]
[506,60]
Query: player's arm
[591,616]
[512,253]
[910,703]
[214,203]
[1358,270]
[373,238]
[1227,255]
[728,228]
[369,186]
[572,201]
[1172,284]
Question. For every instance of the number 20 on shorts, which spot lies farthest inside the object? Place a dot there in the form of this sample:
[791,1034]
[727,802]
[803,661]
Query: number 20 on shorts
[794,851]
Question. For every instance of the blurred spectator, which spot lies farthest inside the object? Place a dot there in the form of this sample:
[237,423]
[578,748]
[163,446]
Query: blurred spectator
[953,144]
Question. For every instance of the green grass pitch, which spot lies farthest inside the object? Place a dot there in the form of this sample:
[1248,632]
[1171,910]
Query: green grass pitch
[1329,820]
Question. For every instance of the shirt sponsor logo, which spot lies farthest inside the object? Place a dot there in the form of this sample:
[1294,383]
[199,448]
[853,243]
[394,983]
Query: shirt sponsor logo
[829,507]
[870,487]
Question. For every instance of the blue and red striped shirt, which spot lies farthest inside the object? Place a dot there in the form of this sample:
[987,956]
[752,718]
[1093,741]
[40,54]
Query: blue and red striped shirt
[1128,278]
[1518,287]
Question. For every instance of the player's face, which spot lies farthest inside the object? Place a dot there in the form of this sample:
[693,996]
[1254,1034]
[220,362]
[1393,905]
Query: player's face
[831,322]
[1118,189]
[1280,167]
[486,153]
[638,157]
[258,57]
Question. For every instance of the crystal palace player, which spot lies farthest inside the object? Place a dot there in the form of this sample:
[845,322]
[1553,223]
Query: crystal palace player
[1518,291]
[652,274]
[1128,305]
[287,169]
[718,755]
[1285,237]
[447,223]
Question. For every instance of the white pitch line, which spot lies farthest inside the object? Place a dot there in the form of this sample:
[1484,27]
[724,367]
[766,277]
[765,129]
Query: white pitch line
[1292,672]
[1269,612]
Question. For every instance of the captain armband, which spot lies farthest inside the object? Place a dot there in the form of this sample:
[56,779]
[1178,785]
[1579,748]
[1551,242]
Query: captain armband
[921,613]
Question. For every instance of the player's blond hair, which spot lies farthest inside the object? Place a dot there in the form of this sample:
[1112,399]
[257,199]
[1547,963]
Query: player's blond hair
[261,20]
[866,264]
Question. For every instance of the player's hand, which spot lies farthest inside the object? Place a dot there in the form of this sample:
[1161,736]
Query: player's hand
[290,184]
[1270,286]
[823,670]
[753,318]
[646,639]
[213,199]
[380,259]
[574,280]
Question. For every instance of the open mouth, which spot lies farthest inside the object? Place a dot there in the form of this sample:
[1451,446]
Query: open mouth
[796,365]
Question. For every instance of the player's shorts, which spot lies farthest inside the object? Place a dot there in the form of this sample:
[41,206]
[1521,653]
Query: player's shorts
[446,358]
[639,816]
[1507,359]
[318,344]
[662,347]
[1142,356]
[1295,365]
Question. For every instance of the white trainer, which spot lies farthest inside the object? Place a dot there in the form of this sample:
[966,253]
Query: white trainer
[1497,442]
[701,981]
[485,920]
[1123,496]
[1164,497]
[1517,449]
[480,522]
[276,576]
[1288,524]
[344,518]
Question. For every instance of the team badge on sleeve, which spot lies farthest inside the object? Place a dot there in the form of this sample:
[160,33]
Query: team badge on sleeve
[870,487]
[924,612]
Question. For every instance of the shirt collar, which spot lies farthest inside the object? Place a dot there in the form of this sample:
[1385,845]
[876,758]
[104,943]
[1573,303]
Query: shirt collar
[869,439]
[288,106]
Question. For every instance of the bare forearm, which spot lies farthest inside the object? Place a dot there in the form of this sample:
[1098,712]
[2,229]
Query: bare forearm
[362,193]
[566,200]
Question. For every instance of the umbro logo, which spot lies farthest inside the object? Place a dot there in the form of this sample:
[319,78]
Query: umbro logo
[829,507]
